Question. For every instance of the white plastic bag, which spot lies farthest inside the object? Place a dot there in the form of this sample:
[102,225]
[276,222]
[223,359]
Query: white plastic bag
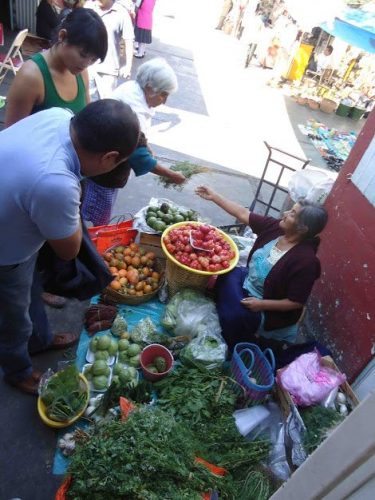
[311,184]
[140,223]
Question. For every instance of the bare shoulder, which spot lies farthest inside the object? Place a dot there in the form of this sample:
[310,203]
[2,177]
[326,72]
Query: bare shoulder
[30,73]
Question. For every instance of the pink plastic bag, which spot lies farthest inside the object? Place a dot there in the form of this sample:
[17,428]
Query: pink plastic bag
[307,381]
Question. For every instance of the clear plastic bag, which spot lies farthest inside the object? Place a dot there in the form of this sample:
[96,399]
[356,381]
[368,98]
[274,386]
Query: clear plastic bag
[205,351]
[312,184]
[190,313]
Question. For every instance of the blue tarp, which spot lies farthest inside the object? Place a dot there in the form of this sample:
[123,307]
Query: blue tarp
[356,27]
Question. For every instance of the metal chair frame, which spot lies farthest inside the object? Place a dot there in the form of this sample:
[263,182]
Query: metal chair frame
[275,185]
[14,52]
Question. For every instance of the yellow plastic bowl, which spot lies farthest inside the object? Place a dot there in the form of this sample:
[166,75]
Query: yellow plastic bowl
[61,425]
[227,238]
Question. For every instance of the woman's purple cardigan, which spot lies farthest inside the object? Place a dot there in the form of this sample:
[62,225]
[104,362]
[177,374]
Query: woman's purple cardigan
[292,277]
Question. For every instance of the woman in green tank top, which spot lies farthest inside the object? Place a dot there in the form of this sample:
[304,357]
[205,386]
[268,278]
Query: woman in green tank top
[58,76]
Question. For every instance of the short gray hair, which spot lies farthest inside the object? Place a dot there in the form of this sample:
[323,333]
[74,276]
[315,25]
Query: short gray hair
[312,217]
[158,75]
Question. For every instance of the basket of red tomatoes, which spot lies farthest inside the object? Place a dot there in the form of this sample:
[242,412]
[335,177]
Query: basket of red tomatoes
[196,251]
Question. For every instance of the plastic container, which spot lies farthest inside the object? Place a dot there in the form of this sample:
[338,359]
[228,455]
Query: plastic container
[343,110]
[147,357]
[356,113]
[253,370]
[60,425]
[227,238]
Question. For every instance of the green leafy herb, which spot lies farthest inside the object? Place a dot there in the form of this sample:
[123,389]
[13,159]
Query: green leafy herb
[64,395]
[318,421]
[187,169]
[150,456]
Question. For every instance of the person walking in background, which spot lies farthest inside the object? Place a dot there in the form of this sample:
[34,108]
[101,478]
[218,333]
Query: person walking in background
[225,9]
[104,76]
[143,26]
[46,19]
[48,153]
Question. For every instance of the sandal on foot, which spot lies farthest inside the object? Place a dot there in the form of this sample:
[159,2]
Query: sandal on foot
[54,300]
[63,341]
[30,384]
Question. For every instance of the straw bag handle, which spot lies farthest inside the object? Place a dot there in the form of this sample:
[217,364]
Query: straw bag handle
[250,352]
[271,358]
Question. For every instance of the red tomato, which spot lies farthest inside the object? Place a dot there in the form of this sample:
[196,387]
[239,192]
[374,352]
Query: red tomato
[171,248]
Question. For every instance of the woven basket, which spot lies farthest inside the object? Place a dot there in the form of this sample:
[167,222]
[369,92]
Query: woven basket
[313,104]
[328,106]
[249,361]
[178,278]
[134,300]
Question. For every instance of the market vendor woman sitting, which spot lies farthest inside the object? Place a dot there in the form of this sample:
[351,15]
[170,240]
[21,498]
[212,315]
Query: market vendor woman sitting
[266,298]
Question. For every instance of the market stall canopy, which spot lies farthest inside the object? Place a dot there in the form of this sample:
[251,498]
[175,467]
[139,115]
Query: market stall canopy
[356,27]
[311,14]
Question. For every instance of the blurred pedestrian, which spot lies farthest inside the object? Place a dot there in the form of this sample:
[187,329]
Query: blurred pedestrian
[143,26]
[104,76]
[46,19]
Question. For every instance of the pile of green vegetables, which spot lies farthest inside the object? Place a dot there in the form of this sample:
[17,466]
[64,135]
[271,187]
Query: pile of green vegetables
[318,421]
[159,218]
[187,169]
[64,395]
[152,454]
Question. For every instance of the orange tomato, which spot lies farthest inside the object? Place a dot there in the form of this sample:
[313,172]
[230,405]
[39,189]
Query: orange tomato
[122,265]
[122,273]
[107,256]
[127,251]
[147,289]
[143,259]
[139,286]
[113,270]
[150,255]
[139,293]
[128,259]
[123,281]
[146,271]
[136,261]
[155,276]
[131,291]
[134,247]
[115,284]
[133,276]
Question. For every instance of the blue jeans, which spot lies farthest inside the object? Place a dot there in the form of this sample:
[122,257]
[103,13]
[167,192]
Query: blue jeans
[23,320]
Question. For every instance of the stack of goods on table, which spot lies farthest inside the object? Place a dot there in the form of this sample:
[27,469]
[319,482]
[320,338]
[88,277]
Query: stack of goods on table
[333,145]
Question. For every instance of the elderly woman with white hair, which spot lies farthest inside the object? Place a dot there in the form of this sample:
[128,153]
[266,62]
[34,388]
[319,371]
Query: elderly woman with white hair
[155,81]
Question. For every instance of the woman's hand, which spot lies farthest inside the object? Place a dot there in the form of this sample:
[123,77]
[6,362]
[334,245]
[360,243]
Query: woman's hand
[252,303]
[205,192]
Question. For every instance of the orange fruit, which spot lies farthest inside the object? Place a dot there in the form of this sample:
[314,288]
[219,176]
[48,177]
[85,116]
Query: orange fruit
[115,284]
[113,270]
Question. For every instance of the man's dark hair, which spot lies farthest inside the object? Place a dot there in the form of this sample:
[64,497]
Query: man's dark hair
[330,49]
[107,125]
[85,29]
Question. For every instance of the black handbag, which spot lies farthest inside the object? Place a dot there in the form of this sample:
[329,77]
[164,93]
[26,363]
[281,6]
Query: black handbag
[80,278]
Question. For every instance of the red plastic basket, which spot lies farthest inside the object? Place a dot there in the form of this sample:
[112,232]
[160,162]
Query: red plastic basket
[249,362]
[120,233]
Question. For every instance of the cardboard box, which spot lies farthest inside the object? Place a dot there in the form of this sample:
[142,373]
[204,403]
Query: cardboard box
[286,402]
[152,243]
